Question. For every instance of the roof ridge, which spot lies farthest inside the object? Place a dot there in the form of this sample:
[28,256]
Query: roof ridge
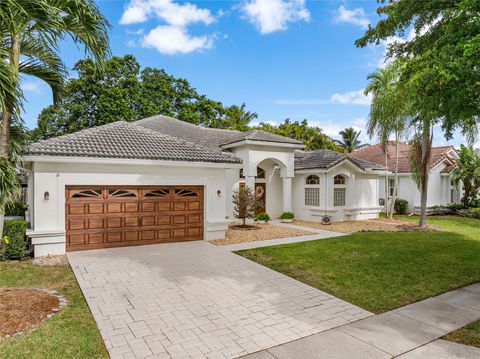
[159,134]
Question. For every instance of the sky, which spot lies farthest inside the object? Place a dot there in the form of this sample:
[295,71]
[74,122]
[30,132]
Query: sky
[284,58]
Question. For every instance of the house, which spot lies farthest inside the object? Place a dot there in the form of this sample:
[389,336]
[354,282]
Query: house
[163,180]
[441,189]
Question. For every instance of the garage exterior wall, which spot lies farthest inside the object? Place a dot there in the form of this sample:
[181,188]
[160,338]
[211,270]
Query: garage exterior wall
[48,216]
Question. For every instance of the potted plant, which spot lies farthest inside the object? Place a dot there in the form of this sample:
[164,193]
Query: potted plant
[262,218]
[287,217]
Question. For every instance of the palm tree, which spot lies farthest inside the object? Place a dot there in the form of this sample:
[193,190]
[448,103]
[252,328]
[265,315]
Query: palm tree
[467,171]
[349,141]
[31,32]
[238,118]
[388,115]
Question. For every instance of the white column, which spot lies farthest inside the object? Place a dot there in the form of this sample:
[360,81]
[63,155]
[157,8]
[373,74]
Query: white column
[250,182]
[287,194]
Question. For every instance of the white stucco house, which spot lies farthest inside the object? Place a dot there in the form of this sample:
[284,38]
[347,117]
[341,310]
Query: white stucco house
[163,180]
[441,189]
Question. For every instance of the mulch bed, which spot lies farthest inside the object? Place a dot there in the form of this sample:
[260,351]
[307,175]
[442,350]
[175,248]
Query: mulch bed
[241,227]
[24,308]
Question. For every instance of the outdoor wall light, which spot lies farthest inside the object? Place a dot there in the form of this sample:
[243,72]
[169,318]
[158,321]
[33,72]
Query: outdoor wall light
[219,193]
[46,196]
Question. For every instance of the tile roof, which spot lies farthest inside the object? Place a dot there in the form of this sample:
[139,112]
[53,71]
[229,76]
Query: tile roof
[324,159]
[261,136]
[376,155]
[208,137]
[127,140]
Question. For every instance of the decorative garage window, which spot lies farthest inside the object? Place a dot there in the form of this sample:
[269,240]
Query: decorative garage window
[88,193]
[339,191]
[121,193]
[185,193]
[312,191]
[157,193]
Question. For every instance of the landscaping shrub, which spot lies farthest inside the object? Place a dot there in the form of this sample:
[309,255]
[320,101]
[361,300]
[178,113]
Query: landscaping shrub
[15,208]
[262,217]
[471,213]
[439,210]
[454,207]
[14,238]
[287,215]
[401,206]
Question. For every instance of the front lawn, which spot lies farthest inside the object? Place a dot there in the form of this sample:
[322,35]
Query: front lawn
[468,335]
[72,333]
[382,271]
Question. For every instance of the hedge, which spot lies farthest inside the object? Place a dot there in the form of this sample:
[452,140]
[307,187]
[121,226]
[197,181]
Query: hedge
[401,206]
[14,238]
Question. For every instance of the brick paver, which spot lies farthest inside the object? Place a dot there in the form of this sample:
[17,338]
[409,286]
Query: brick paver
[195,300]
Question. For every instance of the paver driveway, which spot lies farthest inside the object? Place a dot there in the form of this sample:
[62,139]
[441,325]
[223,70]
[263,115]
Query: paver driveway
[198,300]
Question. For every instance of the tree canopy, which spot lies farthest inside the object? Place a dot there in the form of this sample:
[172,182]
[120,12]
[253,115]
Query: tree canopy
[313,137]
[441,71]
[350,139]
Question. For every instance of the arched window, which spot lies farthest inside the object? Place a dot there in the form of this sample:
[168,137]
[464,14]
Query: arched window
[312,179]
[312,191]
[339,191]
[339,179]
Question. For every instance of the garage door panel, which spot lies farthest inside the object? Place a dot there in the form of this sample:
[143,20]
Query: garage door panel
[95,223]
[99,217]
[114,207]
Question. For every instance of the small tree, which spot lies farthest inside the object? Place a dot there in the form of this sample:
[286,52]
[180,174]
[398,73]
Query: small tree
[245,203]
[467,172]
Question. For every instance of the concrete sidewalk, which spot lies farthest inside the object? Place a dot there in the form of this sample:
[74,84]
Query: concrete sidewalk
[408,332]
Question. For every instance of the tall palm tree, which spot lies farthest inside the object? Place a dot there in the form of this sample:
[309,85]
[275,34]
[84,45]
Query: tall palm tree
[31,32]
[238,118]
[389,115]
[350,139]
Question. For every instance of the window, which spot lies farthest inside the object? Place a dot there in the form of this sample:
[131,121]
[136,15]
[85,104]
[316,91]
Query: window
[391,187]
[312,197]
[338,180]
[312,191]
[313,179]
[339,191]
[339,197]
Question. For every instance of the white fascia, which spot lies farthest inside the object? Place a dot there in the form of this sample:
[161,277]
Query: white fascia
[128,161]
[263,143]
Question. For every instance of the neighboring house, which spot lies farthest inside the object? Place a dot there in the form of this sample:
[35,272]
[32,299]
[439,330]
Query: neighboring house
[163,180]
[441,189]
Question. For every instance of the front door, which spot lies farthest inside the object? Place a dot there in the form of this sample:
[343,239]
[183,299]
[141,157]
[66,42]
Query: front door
[261,194]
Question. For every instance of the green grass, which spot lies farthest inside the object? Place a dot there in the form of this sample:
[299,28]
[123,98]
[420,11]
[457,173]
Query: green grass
[469,335]
[382,271]
[72,333]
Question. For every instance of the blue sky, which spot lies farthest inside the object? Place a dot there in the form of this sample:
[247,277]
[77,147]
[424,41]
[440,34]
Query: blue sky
[284,58]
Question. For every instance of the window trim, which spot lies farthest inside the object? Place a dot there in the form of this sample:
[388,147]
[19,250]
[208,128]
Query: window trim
[340,186]
[311,186]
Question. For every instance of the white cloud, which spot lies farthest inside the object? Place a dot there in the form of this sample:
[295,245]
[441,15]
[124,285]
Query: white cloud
[172,36]
[172,40]
[31,86]
[356,16]
[138,11]
[346,98]
[331,128]
[274,15]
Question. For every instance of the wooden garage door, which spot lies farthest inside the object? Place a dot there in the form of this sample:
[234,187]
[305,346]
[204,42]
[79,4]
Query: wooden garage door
[113,216]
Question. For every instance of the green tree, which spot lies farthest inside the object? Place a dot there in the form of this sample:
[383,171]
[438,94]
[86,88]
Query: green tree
[31,32]
[440,72]
[245,203]
[313,137]
[238,118]
[125,91]
[467,172]
[389,115]
[443,53]
[350,139]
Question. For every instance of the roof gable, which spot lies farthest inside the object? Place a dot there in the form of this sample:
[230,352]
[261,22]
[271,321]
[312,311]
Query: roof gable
[325,159]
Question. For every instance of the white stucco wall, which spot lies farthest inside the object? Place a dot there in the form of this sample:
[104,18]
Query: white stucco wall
[361,200]
[439,188]
[49,215]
